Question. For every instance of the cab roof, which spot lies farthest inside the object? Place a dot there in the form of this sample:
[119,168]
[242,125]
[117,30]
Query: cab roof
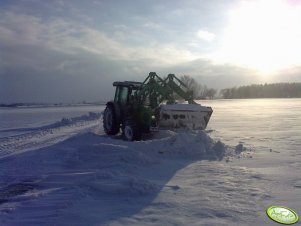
[133,85]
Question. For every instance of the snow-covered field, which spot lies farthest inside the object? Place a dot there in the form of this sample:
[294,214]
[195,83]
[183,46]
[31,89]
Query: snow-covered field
[21,120]
[68,172]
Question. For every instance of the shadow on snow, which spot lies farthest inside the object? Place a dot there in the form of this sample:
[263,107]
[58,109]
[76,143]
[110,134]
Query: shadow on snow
[90,179]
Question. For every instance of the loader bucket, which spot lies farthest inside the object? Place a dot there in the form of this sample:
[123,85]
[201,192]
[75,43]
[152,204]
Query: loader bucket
[192,116]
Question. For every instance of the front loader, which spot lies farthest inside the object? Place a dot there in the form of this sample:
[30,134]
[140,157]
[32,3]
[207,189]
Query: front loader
[140,107]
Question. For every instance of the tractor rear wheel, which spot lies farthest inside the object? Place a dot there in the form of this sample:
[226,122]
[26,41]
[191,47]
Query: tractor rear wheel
[110,124]
[131,132]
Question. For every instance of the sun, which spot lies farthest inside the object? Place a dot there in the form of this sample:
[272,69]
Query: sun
[264,35]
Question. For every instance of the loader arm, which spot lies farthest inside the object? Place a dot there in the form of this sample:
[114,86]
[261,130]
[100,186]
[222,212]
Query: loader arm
[159,90]
[154,90]
[175,84]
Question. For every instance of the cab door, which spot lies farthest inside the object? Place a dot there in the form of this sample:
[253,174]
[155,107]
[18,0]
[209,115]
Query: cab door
[121,98]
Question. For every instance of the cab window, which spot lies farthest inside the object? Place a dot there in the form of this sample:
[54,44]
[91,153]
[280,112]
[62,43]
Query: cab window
[121,94]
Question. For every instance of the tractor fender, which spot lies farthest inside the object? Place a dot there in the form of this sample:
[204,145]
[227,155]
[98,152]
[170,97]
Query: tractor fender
[116,109]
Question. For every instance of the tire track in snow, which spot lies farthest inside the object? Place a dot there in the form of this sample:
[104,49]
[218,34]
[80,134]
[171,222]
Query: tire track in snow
[43,138]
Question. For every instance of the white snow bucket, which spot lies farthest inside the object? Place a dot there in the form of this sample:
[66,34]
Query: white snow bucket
[192,116]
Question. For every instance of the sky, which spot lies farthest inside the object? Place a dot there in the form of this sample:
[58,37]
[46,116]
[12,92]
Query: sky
[71,51]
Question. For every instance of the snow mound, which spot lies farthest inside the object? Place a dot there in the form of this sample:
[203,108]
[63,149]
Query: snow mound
[197,144]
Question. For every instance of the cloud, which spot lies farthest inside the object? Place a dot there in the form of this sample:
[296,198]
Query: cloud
[76,38]
[19,29]
[205,35]
[61,61]
[215,75]
[151,25]
[50,55]
[73,37]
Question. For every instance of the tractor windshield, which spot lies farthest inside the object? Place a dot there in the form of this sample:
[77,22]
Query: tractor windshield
[121,94]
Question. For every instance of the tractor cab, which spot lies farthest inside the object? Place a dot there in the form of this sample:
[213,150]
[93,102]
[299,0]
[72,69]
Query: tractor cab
[122,113]
[124,91]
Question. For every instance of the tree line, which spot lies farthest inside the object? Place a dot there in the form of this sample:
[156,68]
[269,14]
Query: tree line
[199,91]
[274,90]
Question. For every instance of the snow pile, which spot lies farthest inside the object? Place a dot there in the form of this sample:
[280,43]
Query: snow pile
[195,144]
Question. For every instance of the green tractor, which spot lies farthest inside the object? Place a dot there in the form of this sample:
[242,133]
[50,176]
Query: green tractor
[140,107]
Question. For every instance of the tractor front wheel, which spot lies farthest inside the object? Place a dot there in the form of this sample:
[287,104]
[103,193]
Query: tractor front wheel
[110,124]
[131,132]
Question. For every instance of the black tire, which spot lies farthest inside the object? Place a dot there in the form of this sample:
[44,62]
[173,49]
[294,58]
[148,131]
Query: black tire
[110,124]
[130,131]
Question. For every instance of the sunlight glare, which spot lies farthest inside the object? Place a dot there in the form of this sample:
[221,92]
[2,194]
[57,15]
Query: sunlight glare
[264,35]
